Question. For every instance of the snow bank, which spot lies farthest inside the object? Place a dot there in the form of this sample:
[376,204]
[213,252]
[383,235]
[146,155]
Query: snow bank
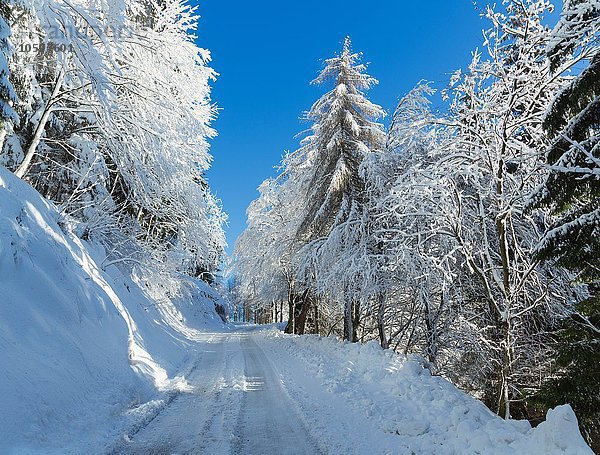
[391,404]
[78,345]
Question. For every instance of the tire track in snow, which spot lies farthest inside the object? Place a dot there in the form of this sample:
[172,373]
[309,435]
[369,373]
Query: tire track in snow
[268,421]
[177,427]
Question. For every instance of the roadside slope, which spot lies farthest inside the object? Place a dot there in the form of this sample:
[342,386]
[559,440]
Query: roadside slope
[78,344]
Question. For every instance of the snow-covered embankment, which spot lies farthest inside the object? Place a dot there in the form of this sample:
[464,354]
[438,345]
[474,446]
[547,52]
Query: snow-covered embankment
[358,398]
[78,344]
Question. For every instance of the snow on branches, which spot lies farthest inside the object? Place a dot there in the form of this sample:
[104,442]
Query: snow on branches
[114,113]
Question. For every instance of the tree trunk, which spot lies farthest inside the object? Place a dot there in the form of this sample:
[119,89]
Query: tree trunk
[348,329]
[2,137]
[301,324]
[41,126]
[355,320]
[431,334]
[316,317]
[505,341]
[289,328]
[383,341]
[504,392]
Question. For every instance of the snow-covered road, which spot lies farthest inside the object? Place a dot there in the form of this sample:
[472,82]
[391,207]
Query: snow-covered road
[237,405]
[93,361]
[257,391]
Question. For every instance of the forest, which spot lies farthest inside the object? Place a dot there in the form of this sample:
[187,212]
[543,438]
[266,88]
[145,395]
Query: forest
[470,236]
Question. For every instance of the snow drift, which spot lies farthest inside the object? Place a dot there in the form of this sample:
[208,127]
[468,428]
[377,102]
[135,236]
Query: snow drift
[78,344]
[359,399]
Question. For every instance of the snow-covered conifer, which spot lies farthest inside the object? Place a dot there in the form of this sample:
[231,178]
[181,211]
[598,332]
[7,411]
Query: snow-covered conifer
[572,191]
[572,188]
[344,132]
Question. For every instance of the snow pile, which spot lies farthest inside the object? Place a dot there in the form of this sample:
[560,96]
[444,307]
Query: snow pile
[375,401]
[78,345]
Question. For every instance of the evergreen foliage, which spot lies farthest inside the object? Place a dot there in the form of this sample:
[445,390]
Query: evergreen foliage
[572,188]
[572,192]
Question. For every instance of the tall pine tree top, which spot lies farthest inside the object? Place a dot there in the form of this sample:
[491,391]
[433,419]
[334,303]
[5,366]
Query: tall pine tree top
[345,130]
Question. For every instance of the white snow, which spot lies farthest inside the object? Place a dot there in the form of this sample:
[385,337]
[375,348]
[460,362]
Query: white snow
[359,398]
[78,345]
[258,391]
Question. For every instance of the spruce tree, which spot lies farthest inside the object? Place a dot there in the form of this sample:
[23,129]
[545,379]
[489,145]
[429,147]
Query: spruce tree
[572,192]
[572,188]
[344,132]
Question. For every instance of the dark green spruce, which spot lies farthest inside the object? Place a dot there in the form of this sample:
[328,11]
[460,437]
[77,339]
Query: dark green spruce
[572,193]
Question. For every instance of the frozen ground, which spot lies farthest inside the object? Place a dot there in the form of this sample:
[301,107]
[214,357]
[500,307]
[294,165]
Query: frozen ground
[237,405]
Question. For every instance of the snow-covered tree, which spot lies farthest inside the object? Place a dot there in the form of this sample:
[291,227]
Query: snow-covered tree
[8,95]
[156,138]
[572,191]
[484,172]
[572,188]
[114,105]
[69,53]
[334,259]
[418,257]
[309,236]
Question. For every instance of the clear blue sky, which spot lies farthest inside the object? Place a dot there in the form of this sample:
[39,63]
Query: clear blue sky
[267,52]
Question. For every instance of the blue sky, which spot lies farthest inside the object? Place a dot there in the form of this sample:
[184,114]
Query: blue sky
[267,52]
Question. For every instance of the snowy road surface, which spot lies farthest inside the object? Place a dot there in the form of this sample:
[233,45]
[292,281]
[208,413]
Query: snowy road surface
[237,405]
[258,391]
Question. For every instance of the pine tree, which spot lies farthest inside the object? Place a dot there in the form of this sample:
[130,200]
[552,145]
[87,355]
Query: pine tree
[344,132]
[572,192]
[578,364]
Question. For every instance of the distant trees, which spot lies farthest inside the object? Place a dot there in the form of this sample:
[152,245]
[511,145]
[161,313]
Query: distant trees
[114,113]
